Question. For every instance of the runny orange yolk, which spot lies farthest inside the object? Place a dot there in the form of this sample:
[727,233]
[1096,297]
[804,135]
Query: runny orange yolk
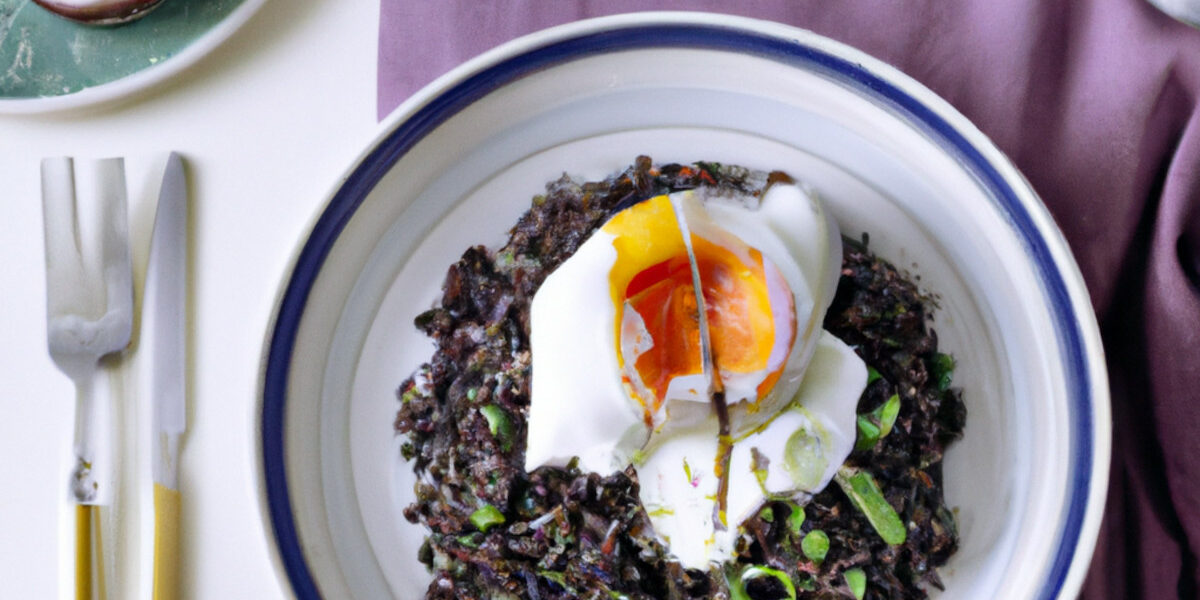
[652,276]
[663,295]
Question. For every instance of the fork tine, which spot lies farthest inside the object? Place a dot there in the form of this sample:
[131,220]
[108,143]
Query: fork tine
[64,256]
[118,271]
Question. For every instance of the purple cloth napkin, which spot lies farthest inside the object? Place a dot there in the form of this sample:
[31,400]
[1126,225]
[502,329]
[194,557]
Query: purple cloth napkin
[1098,103]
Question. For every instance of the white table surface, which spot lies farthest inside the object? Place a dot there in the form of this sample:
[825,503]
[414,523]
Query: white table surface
[267,123]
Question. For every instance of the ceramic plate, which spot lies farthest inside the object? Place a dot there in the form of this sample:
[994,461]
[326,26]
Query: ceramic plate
[457,164]
[48,63]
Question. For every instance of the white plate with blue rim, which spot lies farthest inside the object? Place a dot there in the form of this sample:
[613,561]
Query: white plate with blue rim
[457,164]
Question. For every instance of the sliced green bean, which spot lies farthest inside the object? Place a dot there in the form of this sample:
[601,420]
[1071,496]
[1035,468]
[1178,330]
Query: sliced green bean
[856,580]
[864,493]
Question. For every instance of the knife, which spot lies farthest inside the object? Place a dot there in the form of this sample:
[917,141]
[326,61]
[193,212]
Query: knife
[165,322]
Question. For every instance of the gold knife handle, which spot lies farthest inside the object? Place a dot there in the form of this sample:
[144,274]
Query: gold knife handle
[166,542]
[89,564]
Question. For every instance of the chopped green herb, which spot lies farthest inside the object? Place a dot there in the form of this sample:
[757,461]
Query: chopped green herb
[856,579]
[555,576]
[815,545]
[943,370]
[864,493]
[499,424]
[873,375]
[472,394]
[559,578]
[733,581]
[887,414]
[487,517]
[767,514]
[877,424]
[796,519]
[410,395]
[868,433]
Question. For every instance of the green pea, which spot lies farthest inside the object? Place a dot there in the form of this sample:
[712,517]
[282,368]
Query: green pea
[815,545]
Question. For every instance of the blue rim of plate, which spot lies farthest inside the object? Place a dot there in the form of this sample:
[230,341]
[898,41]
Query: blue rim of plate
[440,108]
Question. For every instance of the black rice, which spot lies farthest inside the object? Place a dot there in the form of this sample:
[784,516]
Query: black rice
[495,531]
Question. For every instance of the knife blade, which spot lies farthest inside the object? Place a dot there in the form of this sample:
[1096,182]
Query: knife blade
[165,325]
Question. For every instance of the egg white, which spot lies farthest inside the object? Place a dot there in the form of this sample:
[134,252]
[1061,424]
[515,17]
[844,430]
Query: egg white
[579,407]
[803,446]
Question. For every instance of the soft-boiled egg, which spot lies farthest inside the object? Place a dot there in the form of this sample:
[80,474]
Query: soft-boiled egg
[676,299]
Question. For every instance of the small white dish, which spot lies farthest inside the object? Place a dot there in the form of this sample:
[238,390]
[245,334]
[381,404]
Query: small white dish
[457,163]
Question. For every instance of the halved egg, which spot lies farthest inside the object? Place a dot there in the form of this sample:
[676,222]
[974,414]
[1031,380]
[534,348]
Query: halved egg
[671,301]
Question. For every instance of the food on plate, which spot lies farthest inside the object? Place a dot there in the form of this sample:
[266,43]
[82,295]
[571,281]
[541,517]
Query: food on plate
[100,12]
[649,390]
[667,308]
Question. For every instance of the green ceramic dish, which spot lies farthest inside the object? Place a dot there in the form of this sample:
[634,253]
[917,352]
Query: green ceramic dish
[49,63]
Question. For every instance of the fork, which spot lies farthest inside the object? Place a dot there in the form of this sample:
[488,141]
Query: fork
[89,302]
